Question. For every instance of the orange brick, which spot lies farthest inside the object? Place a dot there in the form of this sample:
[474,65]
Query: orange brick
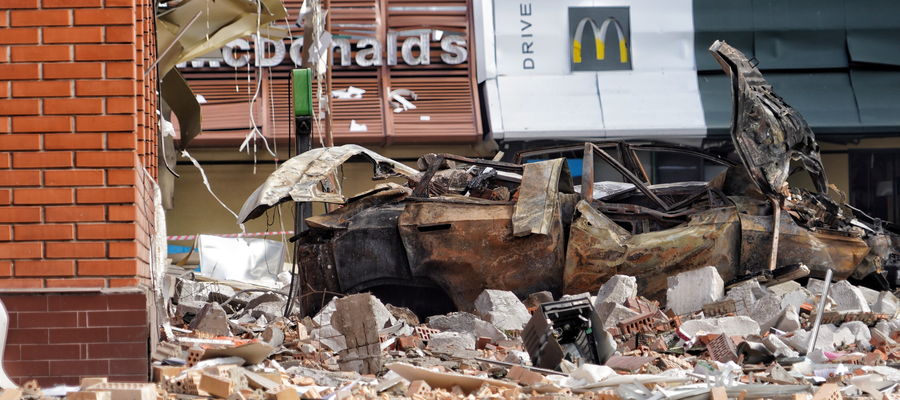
[42,124]
[73,70]
[123,282]
[42,52]
[42,196]
[20,214]
[104,195]
[5,236]
[107,267]
[73,141]
[106,231]
[91,177]
[18,4]
[39,18]
[70,4]
[45,268]
[44,232]
[103,52]
[74,214]
[120,3]
[78,34]
[18,177]
[73,106]
[104,159]
[105,16]
[104,88]
[44,159]
[99,123]
[6,198]
[121,213]
[18,72]
[122,249]
[4,157]
[75,250]
[120,34]
[19,283]
[120,177]
[76,282]
[17,141]
[120,141]
[15,250]
[20,106]
[119,105]
[19,36]
[42,89]
[5,268]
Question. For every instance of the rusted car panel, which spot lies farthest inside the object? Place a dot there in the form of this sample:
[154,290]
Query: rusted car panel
[820,251]
[767,133]
[538,196]
[599,248]
[466,248]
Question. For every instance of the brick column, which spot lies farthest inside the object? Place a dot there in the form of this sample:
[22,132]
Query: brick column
[77,155]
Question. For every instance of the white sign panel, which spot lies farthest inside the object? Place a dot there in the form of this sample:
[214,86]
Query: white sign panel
[595,68]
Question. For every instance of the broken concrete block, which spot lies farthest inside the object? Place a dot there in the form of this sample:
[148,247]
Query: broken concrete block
[766,309]
[848,297]
[467,323]
[355,320]
[886,303]
[778,347]
[789,320]
[187,289]
[859,334]
[616,290]
[270,310]
[211,319]
[784,288]
[449,342]
[612,313]
[744,297]
[871,295]
[731,326]
[502,309]
[690,290]
[797,298]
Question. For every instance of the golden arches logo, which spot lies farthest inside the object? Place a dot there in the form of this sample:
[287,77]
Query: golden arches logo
[599,38]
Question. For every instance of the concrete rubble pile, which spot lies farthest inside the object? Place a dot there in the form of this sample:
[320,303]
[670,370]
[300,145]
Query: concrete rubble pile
[748,340]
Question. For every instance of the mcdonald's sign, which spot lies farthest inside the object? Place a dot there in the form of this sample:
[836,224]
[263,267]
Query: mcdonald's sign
[602,26]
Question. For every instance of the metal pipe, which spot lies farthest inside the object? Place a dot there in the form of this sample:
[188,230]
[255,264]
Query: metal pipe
[819,311]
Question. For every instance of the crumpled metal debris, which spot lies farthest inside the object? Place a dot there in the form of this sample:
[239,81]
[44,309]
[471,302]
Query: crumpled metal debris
[311,176]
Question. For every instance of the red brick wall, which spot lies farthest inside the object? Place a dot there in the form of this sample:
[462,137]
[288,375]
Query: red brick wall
[77,126]
[57,338]
[77,160]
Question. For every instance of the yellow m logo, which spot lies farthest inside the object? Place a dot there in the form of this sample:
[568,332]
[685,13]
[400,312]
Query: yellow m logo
[599,38]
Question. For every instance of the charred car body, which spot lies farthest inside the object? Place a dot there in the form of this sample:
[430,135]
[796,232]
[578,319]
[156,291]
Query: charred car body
[460,225]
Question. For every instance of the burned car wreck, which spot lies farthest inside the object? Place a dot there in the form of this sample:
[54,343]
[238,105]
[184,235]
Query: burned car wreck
[460,225]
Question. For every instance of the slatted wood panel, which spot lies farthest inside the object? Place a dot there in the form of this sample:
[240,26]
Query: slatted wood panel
[447,105]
